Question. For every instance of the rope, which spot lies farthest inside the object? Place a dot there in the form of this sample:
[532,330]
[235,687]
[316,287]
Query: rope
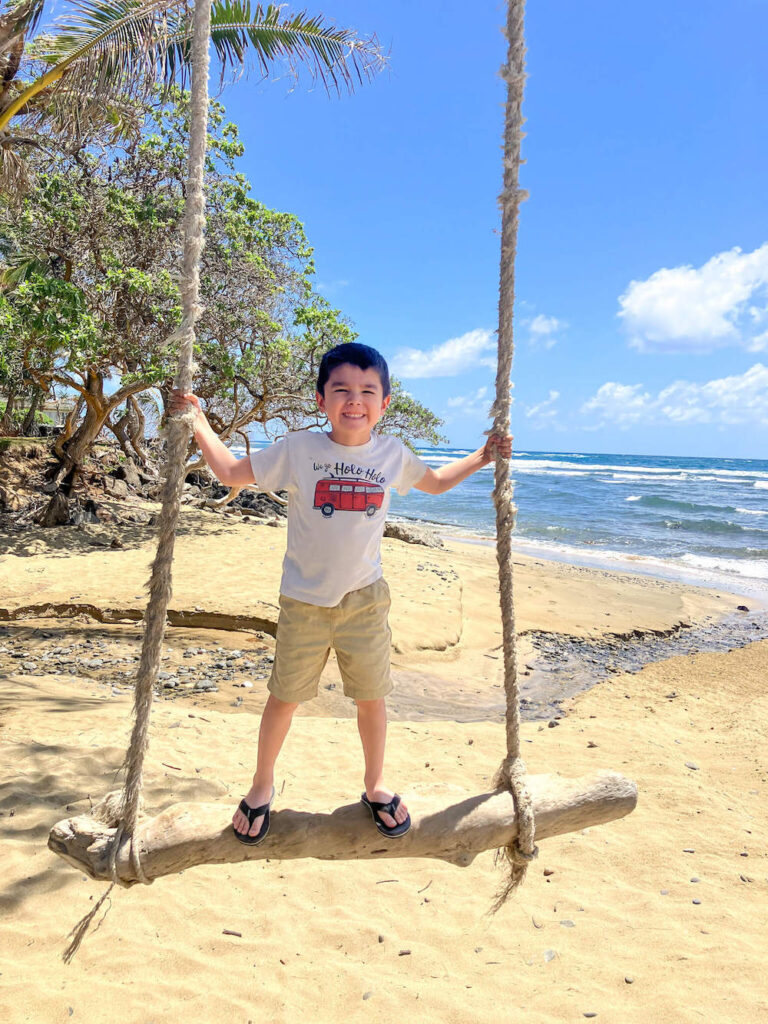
[178,431]
[511,772]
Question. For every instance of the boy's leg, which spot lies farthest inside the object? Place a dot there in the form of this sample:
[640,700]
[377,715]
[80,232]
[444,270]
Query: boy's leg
[372,725]
[275,723]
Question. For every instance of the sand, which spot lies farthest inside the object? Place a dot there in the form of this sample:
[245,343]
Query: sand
[606,923]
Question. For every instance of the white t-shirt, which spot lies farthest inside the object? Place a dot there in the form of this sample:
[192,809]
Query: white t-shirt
[338,498]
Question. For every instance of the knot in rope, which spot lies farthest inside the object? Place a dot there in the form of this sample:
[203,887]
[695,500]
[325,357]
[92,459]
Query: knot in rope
[133,855]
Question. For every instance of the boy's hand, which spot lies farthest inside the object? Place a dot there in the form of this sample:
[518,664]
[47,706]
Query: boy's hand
[497,447]
[180,402]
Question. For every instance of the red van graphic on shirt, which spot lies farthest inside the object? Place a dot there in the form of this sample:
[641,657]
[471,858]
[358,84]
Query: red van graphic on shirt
[348,496]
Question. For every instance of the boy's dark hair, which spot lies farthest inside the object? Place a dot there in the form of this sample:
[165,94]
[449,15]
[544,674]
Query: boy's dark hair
[358,355]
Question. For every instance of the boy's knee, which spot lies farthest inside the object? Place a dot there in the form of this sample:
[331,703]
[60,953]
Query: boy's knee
[370,705]
[282,707]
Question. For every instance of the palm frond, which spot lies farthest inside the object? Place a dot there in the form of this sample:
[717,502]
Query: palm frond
[267,35]
[19,269]
[19,21]
[127,46]
[76,114]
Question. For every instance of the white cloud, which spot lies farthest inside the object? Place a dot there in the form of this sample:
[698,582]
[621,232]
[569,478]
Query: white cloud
[544,413]
[450,359]
[726,401]
[542,330]
[688,309]
[331,287]
[475,405]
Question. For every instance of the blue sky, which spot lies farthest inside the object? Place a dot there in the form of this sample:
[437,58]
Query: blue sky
[641,322]
[642,280]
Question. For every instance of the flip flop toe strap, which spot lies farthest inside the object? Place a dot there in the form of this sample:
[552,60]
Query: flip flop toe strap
[388,808]
[252,813]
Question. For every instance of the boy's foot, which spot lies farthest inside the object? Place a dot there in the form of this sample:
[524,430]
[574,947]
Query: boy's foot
[254,798]
[390,815]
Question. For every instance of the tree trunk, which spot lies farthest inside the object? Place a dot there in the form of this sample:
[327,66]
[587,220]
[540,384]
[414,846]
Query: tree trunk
[29,426]
[136,427]
[120,429]
[7,426]
[188,834]
[68,428]
[72,452]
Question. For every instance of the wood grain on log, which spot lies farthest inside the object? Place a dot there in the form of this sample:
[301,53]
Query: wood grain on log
[188,834]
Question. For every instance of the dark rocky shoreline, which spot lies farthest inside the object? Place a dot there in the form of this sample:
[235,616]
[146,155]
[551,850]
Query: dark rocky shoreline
[206,662]
[566,665]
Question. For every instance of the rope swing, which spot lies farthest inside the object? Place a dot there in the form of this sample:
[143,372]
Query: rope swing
[115,845]
[511,772]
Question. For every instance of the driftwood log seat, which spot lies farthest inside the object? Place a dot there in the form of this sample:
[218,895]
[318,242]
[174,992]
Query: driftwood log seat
[189,834]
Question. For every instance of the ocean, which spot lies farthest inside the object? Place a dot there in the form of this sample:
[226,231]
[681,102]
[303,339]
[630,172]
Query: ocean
[695,519]
[702,520]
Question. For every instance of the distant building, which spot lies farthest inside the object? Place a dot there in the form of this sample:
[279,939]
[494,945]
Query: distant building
[58,409]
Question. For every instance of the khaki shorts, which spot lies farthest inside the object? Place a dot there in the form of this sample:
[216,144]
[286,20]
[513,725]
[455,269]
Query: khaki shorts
[356,628]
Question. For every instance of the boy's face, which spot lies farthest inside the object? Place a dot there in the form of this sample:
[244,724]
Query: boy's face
[354,403]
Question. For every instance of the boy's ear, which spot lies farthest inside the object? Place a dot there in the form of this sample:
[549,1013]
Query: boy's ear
[320,401]
[385,403]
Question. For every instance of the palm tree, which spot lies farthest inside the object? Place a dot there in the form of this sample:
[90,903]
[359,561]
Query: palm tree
[106,53]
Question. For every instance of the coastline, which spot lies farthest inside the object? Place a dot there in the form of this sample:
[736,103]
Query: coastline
[600,910]
[611,561]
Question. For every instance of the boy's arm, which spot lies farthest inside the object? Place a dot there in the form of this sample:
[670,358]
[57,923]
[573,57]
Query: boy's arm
[438,481]
[225,466]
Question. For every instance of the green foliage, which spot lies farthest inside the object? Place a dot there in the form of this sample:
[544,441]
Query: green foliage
[91,297]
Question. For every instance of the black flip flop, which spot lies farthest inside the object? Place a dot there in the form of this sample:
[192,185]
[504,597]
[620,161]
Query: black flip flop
[393,831]
[252,813]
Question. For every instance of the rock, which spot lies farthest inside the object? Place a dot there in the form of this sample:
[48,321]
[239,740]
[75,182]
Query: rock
[696,902]
[128,472]
[629,979]
[741,608]
[549,955]
[85,513]
[412,534]
[567,924]
[552,723]
[692,766]
[117,488]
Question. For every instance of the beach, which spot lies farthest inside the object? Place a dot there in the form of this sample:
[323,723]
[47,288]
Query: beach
[658,916]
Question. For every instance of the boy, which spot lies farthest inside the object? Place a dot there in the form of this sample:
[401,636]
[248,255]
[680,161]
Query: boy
[332,592]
